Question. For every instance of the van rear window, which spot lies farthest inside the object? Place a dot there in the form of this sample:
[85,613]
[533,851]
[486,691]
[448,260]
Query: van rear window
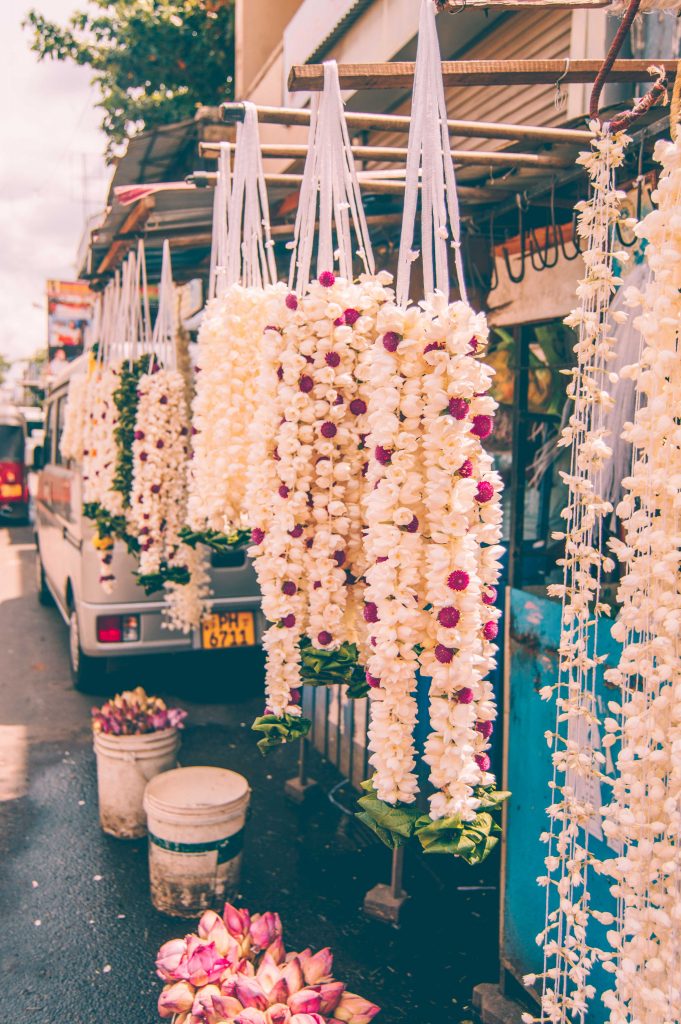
[11,443]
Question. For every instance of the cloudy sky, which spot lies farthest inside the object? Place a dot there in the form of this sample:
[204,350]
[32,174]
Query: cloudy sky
[51,173]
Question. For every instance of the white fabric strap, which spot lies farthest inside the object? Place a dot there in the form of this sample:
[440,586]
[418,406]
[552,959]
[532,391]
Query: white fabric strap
[429,159]
[218,249]
[163,343]
[329,192]
[249,255]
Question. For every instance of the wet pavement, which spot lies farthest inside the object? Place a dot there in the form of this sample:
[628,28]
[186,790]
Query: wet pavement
[79,934]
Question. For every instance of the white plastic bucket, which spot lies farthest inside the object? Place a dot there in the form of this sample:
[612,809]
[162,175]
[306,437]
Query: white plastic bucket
[125,764]
[196,819]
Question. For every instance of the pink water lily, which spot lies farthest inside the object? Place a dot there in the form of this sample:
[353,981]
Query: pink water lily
[265,928]
[353,1009]
[318,968]
[176,998]
[170,957]
[305,1001]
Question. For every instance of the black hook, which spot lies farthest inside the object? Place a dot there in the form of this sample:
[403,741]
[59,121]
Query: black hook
[545,262]
[577,248]
[517,278]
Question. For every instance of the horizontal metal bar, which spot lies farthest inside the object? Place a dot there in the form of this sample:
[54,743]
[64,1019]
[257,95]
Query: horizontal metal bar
[232,112]
[400,74]
[391,154]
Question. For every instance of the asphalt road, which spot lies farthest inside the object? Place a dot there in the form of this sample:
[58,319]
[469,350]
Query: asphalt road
[79,934]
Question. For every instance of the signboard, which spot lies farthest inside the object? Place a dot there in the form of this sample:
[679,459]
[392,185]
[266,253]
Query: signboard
[70,307]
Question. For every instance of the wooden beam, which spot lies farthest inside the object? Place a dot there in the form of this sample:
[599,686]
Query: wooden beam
[400,74]
[401,122]
[132,223]
[390,154]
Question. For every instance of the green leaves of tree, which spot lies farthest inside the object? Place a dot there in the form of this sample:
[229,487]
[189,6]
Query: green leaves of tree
[154,61]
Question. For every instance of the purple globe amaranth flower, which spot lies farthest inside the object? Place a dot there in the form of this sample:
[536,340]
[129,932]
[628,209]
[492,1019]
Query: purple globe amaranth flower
[339,556]
[490,595]
[339,321]
[351,316]
[483,762]
[327,279]
[316,585]
[449,617]
[465,469]
[391,340]
[289,621]
[490,630]
[143,456]
[473,344]
[443,654]
[297,531]
[328,429]
[383,455]
[464,695]
[433,346]
[324,638]
[306,384]
[283,491]
[358,406]
[338,400]
[458,580]
[163,399]
[332,359]
[289,588]
[482,426]
[458,408]
[291,301]
[372,680]
[485,491]
[370,612]
[485,729]
[280,373]
[412,526]
[257,535]
[139,436]
[155,488]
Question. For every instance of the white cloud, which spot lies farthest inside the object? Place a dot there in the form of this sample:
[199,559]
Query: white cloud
[50,149]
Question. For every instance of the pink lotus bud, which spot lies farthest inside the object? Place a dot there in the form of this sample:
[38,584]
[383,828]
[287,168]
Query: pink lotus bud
[330,993]
[213,929]
[318,968]
[268,973]
[305,1001]
[250,1016]
[177,998]
[237,921]
[280,992]
[249,992]
[278,1014]
[307,1018]
[204,963]
[170,960]
[265,928]
[293,975]
[276,950]
[353,1009]
[211,1006]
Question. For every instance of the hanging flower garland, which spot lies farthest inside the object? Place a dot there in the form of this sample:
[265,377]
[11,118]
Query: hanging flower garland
[644,816]
[568,956]
[73,434]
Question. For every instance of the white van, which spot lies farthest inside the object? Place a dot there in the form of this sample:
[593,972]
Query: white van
[126,621]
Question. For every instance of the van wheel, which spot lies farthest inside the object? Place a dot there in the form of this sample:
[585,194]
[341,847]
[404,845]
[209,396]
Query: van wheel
[86,672]
[44,596]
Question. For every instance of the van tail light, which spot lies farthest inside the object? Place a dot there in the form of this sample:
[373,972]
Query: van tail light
[116,629]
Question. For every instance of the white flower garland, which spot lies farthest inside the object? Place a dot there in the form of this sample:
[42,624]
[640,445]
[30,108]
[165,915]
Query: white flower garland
[224,406]
[568,958]
[75,414]
[463,528]
[645,813]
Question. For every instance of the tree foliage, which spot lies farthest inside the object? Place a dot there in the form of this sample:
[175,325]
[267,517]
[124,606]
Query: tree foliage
[154,61]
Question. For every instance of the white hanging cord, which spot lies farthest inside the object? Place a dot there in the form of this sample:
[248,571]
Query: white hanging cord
[429,159]
[164,328]
[249,246]
[329,191]
[143,308]
[218,249]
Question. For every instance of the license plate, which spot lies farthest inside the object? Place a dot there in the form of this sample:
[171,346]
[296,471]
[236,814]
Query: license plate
[10,490]
[228,629]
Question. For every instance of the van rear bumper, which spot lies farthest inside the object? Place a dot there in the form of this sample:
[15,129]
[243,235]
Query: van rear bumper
[154,637]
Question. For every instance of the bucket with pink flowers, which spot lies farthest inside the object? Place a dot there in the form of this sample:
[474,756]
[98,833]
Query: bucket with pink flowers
[135,738]
[236,970]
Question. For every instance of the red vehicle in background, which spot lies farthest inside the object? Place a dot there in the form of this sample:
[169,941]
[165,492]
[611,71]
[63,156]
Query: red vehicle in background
[13,469]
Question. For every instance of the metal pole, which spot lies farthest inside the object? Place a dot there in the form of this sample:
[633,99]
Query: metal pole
[397,872]
[302,762]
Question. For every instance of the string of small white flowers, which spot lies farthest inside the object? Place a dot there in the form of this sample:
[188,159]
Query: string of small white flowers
[568,957]
[644,816]
[160,454]
[394,548]
[73,436]
[462,528]
[224,405]
[99,463]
